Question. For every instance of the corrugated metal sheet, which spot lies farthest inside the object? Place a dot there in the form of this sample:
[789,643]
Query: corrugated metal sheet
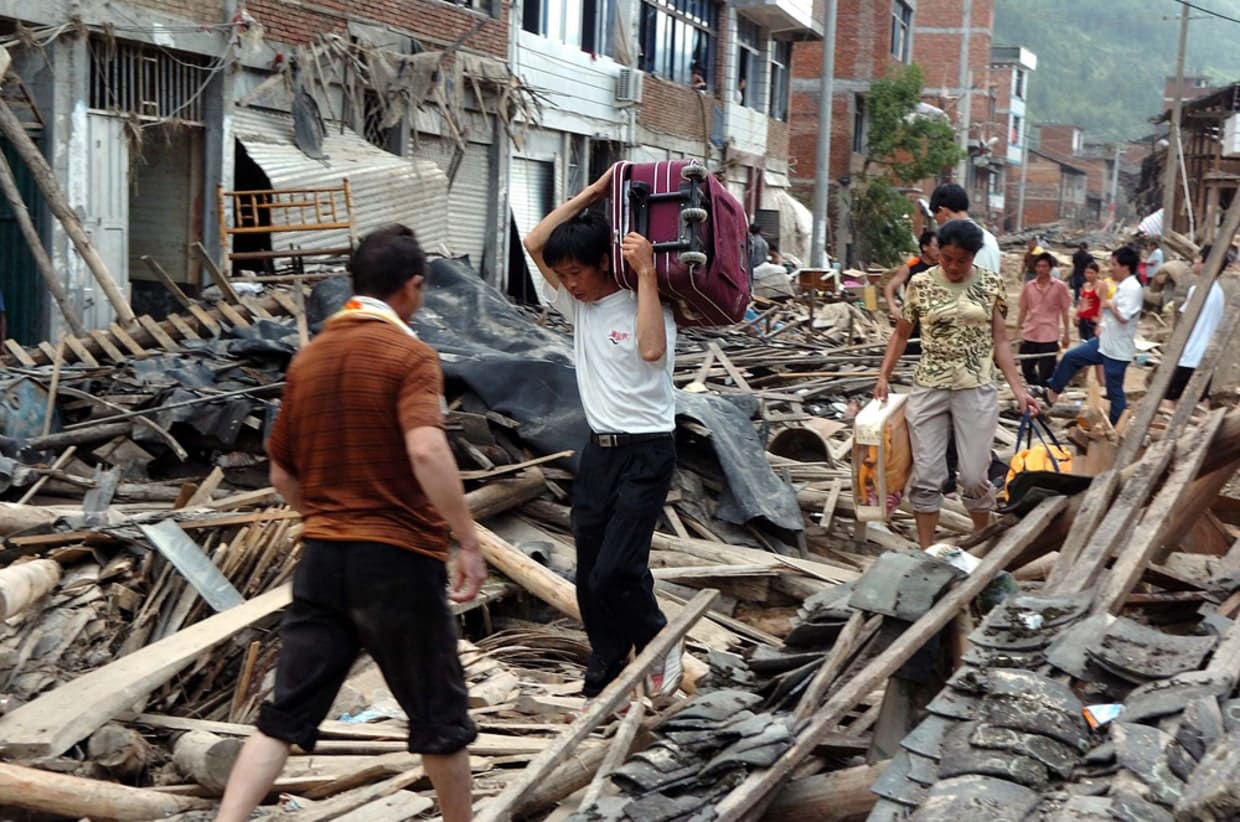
[469,194]
[386,188]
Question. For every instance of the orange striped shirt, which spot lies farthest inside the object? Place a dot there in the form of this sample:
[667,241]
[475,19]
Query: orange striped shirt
[351,395]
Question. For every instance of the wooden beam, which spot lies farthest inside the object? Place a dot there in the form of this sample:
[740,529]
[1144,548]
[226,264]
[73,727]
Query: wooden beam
[1116,526]
[55,721]
[831,797]
[617,751]
[166,279]
[1094,507]
[1174,348]
[1152,532]
[501,808]
[748,798]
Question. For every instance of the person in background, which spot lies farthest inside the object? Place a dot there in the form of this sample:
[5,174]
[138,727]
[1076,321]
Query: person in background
[927,258]
[961,309]
[697,78]
[1153,261]
[1115,346]
[1044,304]
[1080,258]
[759,249]
[950,202]
[1032,250]
[1089,304]
[1203,330]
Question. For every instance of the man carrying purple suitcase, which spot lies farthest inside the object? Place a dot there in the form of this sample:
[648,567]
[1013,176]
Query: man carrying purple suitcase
[623,346]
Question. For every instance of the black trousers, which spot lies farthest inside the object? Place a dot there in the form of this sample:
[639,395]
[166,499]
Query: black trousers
[618,495]
[1037,370]
[350,596]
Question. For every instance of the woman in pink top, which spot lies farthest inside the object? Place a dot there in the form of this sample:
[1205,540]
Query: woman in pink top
[1044,305]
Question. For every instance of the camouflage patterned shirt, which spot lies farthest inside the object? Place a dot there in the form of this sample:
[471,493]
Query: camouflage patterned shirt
[957,342]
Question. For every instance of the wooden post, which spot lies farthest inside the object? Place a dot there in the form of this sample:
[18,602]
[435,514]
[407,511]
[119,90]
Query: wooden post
[24,584]
[500,809]
[73,796]
[120,751]
[8,185]
[12,128]
[617,751]
[206,758]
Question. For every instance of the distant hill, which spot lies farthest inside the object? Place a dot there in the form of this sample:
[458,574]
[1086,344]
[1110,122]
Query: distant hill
[1102,63]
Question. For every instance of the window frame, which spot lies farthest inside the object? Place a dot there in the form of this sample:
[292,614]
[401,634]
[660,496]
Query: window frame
[748,61]
[901,46]
[487,8]
[860,125]
[667,27]
[779,95]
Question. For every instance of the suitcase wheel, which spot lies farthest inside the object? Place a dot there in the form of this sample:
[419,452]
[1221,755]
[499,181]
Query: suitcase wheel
[692,258]
[693,172]
[694,215]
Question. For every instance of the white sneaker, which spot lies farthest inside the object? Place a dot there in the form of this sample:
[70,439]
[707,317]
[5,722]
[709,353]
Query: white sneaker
[664,678]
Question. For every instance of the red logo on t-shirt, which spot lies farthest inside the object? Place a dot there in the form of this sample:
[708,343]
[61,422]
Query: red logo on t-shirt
[618,337]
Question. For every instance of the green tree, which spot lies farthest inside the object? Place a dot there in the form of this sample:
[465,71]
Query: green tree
[903,148]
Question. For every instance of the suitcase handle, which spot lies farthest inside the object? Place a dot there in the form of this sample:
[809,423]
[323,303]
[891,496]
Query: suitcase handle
[689,196]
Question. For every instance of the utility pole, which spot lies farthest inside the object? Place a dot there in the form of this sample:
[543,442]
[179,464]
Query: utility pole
[822,167]
[1114,209]
[966,97]
[1024,173]
[1173,144]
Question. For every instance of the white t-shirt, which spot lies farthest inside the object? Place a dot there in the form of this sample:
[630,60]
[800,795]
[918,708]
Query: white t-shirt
[1207,321]
[1115,339]
[989,257]
[1153,262]
[621,392]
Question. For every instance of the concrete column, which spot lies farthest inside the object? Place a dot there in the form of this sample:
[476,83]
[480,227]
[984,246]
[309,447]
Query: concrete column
[65,146]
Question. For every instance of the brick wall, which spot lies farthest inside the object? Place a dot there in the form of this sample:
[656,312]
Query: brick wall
[863,43]
[670,108]
[1042,189]
[438,22]
[1057,137]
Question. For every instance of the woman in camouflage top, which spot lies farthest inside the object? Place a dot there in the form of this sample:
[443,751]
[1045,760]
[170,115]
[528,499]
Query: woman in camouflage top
[963,338]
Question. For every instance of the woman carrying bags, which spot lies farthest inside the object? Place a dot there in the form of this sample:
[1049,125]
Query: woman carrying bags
[961,310]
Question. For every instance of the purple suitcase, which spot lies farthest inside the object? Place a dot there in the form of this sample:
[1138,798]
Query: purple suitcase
[699,233]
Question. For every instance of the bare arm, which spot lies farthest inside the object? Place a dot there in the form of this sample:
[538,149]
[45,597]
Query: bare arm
[1067,325]
[895,349]
[1007,363]
[889,290]
[287,484]
[536,240]
[435,469]
[651,332]
[1020,312]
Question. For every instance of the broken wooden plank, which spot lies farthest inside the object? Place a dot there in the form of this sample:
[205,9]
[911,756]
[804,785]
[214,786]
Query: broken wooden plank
[617,751]
[79,350]
[15,348]
[108,348]
[183,328]
[1149,536]
[157,333]
[24,584]
[128,342]
[502,807]
[53,723]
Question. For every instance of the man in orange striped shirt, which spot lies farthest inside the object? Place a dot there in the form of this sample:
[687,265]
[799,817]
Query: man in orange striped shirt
[359,450]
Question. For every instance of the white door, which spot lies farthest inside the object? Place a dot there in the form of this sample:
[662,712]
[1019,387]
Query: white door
[107,212]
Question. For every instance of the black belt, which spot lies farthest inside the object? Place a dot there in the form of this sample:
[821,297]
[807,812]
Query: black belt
[616,440]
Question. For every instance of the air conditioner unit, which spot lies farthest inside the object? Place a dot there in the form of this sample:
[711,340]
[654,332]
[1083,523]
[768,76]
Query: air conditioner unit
[629,86]
[1231,136]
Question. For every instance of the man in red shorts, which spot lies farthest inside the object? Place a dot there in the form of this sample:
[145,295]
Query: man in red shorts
[359,450]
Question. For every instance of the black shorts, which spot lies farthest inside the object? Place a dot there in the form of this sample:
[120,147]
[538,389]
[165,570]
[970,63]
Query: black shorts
[350,596]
